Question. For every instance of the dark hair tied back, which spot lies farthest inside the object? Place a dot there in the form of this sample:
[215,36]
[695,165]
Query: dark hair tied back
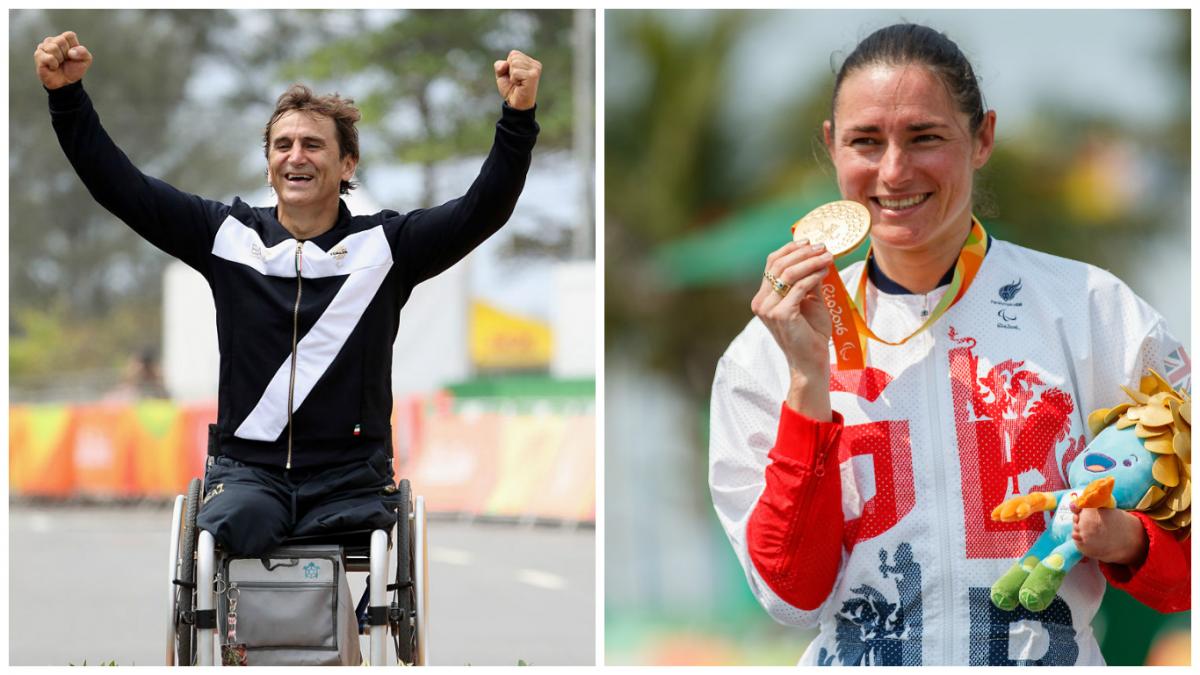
[913,44]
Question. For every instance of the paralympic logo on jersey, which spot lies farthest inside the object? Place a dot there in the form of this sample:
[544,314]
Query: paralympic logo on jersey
[1008,294]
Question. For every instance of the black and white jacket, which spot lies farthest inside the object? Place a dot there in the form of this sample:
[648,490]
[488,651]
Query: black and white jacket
[305,328]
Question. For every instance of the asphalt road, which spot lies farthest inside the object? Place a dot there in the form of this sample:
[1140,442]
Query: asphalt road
[88,583]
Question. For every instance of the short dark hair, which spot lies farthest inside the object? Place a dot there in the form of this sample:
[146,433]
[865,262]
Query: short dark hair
[342,111]
[914,44]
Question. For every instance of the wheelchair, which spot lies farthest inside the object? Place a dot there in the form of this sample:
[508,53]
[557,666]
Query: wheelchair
[194,558]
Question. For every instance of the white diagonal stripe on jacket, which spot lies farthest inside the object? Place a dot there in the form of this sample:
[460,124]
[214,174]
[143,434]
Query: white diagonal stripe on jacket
[366,262]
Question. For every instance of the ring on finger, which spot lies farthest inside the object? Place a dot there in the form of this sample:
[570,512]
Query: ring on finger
[771,279]
[777,285]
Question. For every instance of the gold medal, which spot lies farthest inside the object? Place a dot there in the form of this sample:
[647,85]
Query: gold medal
[841,226]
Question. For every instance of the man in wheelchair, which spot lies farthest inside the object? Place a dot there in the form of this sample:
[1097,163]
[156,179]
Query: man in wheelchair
[308,295]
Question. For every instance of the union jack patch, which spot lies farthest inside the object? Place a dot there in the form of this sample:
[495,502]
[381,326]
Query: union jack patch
[1178,369]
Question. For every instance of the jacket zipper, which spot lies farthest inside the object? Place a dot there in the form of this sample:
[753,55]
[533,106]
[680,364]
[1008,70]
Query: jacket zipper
[805,498]
[295,334]
[942,515]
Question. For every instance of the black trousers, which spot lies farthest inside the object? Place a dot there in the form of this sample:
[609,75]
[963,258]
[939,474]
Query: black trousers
[250,509]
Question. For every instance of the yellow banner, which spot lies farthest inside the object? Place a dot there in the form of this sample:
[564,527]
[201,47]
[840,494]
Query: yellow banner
[500,340]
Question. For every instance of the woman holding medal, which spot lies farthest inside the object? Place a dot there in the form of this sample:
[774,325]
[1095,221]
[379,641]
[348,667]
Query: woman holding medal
[866,422]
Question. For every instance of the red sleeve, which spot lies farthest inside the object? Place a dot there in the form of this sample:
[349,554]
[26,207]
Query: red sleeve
[1163,581]
[795,532]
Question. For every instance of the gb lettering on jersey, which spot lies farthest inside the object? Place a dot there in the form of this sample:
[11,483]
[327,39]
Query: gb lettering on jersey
[875,459]
[1011,427]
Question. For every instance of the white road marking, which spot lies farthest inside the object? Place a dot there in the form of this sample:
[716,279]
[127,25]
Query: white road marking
[541,579]
[450,556]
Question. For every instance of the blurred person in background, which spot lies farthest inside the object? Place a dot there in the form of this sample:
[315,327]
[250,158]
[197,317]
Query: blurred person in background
[858,501]
[308,296]
[141,378]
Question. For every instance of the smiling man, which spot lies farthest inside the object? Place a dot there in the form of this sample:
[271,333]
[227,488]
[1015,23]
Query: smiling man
[308,295]
[311,145]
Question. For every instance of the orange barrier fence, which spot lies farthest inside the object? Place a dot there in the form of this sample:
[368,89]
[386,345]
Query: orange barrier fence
[523,465]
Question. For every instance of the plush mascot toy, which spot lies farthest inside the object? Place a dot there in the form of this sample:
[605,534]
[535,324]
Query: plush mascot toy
[1139,460]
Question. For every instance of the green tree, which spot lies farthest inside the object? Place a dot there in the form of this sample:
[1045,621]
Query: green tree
[430,90]
[71,262]
[665,177]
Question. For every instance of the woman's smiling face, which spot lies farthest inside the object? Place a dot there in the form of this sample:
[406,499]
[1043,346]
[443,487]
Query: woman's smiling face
[902,147]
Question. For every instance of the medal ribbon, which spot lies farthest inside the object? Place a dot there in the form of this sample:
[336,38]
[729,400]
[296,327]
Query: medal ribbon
[850,329]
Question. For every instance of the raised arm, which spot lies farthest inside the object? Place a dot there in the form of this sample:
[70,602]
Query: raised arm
[176,222]
[434,239]
[790,537]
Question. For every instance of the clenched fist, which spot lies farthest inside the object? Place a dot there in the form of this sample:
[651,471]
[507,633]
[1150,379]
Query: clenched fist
[61,60]
[517,79]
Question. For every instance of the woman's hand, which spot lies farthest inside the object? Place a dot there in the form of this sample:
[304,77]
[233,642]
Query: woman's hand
[1110,535]
[800,323]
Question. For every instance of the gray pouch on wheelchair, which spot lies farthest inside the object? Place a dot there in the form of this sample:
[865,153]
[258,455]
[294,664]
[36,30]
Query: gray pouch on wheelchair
[293,607]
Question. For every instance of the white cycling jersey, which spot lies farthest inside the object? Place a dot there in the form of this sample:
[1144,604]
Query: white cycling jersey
[990,401]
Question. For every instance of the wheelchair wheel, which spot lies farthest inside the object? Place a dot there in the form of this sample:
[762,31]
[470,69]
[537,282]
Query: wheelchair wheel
[185,623]
[421,579]
[404,600]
